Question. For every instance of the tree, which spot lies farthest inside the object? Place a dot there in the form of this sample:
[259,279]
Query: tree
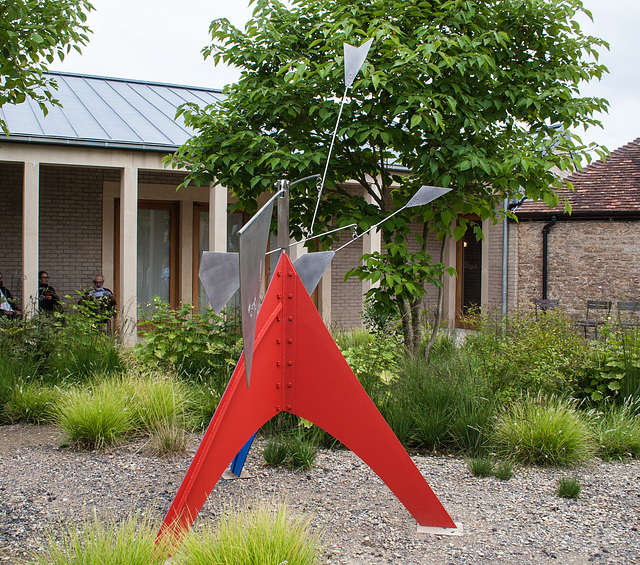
[460,93]
[32,34]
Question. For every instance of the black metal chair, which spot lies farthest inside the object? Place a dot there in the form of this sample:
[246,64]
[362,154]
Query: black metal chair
[629,314]
[544,304]
[597,313]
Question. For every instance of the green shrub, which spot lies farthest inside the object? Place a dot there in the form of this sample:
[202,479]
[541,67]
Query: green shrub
[131,541]
[480,467]
[266,535]
[521,354]
[373,357]
[543,430]
[618,429]
[612,369]
[32,402]
[97,416]
[568,487]
[58,348]
[204,347]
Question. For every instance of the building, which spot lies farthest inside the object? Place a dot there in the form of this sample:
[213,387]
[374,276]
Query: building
[85,189]
[591,253]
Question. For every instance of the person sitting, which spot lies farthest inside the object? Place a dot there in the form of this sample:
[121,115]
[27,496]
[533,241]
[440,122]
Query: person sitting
[99,300]
[48,300]
[8,306]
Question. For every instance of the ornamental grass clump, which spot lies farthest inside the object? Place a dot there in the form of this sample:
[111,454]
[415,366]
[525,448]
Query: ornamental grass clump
[266,535]
[618,429]
[32,402]
[544,430]
[129,542]
[97,416]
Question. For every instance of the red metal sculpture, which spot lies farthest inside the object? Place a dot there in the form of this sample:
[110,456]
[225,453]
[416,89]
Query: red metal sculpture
[298,368]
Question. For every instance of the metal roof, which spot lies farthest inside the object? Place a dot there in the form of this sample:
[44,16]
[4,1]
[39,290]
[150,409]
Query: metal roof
[107,112]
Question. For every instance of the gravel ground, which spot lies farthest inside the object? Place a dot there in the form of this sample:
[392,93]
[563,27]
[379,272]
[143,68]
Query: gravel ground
[515,521]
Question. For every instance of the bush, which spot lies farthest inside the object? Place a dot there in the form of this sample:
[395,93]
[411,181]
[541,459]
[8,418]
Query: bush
[503,471]
[373,357]
[57,348]
[618,429]
[541,430]
[521,354]
[203,347]
[130,541]
[157,400]
[265,535]
[613,367]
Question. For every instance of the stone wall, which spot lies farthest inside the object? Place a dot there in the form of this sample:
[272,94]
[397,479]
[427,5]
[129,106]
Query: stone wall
[587,260]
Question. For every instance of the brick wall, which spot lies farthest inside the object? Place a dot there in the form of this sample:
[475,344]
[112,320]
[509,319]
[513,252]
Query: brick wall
[588,260]
[70,226]
[346,297]
[11,178]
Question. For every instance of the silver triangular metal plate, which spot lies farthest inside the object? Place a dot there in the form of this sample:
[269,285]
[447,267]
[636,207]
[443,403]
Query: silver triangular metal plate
[311,267]
[426,194]
[253,237]
[354,58]
[220,277]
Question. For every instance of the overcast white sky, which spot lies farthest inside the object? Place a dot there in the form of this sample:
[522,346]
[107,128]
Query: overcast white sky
[158,40]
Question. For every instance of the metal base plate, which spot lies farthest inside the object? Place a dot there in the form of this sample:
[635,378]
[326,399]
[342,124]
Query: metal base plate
[229,475]
[457,531]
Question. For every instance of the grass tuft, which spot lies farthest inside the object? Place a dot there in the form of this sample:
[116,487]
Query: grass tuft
[480,467]
[568,487]
[540,430]
[503,471]
[265,535]
[32,402]
[618,430]
[130,541]
[96,417]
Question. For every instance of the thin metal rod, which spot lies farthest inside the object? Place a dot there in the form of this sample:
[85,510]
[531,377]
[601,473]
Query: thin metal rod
[303,179]
[326,167]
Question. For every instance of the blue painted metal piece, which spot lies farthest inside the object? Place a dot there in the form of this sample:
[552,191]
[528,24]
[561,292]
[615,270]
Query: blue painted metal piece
[238,461]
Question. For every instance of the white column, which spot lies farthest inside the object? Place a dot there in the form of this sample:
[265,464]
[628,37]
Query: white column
[218,218]
[129,254]
[187,253]
[371,243]
[30,234]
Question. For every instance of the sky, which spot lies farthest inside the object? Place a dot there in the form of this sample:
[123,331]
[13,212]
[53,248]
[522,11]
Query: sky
[161,41]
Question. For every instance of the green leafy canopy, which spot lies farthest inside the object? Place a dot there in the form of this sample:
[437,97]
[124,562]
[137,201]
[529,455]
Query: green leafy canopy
[32,34]
[460,93]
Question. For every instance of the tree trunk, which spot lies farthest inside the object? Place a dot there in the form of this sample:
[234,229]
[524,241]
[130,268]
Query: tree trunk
[436,323]
[416,327]
[407,329]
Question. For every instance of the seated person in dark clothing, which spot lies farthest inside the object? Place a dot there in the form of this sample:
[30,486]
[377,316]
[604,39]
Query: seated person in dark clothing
[100,300]
[8,306]
[48,300]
